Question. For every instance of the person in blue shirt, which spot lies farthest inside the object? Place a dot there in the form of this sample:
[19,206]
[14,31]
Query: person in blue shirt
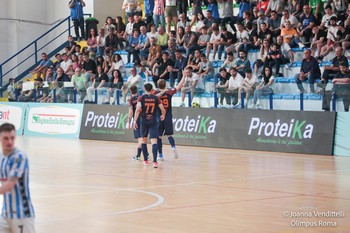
[44,64]
[77,15]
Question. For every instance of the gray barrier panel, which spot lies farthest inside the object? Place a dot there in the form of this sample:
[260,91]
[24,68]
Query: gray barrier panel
[283,131]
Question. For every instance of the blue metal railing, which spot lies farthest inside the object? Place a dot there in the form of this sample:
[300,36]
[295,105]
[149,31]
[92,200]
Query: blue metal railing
[34,53]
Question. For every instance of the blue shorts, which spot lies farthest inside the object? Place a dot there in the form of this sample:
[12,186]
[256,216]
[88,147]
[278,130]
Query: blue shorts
[166,127]
[137,132]
[149,127]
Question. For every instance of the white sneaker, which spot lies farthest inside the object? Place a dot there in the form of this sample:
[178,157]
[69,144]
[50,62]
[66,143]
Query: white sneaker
[176,155]
[252,106]
[238,105]
[182,105]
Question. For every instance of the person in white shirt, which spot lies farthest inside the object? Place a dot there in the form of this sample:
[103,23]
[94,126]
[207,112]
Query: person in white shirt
[213,42]
[190,83]
[286,16]
[233,85]
[247,86]
[327,17]
[133,80]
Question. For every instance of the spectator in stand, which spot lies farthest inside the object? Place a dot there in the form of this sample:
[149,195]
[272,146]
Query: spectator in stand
[79,81]
[263,5]
[49,76]
[160,69]
[101,42]
[287,52]
[120,29]
[264,88]
[133,80]
[11,95]
[117,64]
[190,83]
[226,13]
[339,7]
[241,39]
[253,41]
[143,45]
[341,87]
[171,49]
[196,8]
[318,40]
[58,61]
[88,68]
[209,20]
[262,19]
[291,36]
[131,48]
[108,24]
[25,95]
[170,14]
[274,58]
[67,65]
[213,8]
[275,22]
[343,35]
[179,66]
[182,7]
[307,22]
[41,91]
[232,86]
[138,23]
[200,23]
[227,38]
[213,42]
[131,7]
[248,86]
[92,42]
[77,15]
[129,27]
[115,84]
[325,23]
[275,5]
[45,63]
[347,17]
[295,7]
[75,62]
[112,42]
[99,83]
[56,91]
[203,38]
[309,70]
[331,39]
[317,9]
[229,62]
[264,33]
[149,7]
[162,38]
[242,63]
[206,70]
[180,37]
[291,18]
[193,61]
[221,79]
[107,64]
[190,41]
[182,22]
[158,13]
[155,52]
[247,18]
[330,71]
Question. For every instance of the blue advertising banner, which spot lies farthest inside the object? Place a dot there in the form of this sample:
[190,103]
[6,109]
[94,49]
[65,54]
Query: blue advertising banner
[14,113]
[342,134]
[53,120]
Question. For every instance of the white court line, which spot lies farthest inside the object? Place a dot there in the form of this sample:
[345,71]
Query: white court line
[160,200]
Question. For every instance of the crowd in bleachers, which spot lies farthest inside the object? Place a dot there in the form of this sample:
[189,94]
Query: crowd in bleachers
[174,41]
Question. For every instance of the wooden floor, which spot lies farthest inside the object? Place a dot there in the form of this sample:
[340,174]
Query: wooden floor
[82,186]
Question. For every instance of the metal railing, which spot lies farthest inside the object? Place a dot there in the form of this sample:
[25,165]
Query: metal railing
[19,65]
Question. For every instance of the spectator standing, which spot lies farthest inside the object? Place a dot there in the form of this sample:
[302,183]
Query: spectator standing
[77,15]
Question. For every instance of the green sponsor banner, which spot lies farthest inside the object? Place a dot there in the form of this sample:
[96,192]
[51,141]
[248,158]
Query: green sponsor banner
[103,122]
[284,131]
[342,134]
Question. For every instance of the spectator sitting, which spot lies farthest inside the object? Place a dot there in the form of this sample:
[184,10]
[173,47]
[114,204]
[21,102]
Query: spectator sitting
[179,66]
[341,87]
[229,62]
[193,61]
[67,65]
[155,52]
[58,61]
[71,48]
[275,23]
[233,85]
[242,62]
[182,22]
[331,39]
[79,81]
[318,40]
[227,38]
[309,70]
[115,84]
[221,79]
[190,41]
[41,91]
[57,91]
[248,86]
[162,39]
[287,52]
[129,27]
[133,42]
[100,82]
[138,23]
[241,39]
[117,64]
[264,88]
[143,45]
[171,49]
[160,69]
[133,80]
[11,95]
[274,57]
[291,18]
[45,63]
[89,67]
[307,22]
[214,38]
[203,38]
[112,42]
[190,83]
[343,35]
[206,71]
[200,22]
[326,18]
[49,76]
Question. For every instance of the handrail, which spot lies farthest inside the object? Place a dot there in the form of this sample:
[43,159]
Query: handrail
[34,52]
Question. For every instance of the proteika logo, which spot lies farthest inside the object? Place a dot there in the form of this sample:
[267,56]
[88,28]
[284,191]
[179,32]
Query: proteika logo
[200,125]
[106,121]
[293,129]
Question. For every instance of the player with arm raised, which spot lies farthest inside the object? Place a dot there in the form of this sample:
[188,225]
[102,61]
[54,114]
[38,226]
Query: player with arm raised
[166,127]
[147,110]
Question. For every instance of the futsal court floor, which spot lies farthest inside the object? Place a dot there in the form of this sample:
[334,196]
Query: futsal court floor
[86,186]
